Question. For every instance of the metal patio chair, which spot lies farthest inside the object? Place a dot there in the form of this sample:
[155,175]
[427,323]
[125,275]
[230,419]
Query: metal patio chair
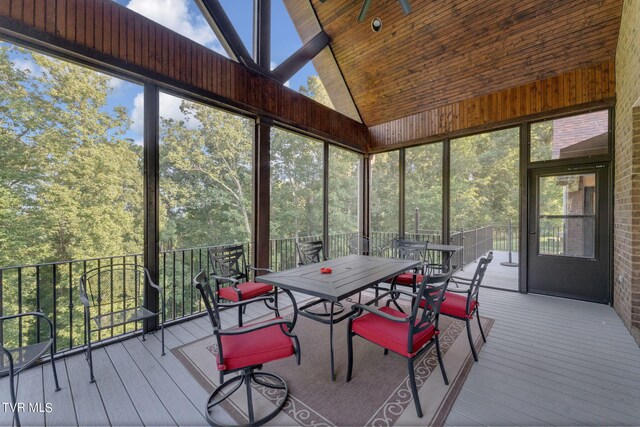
[113,296]
[14,360]
[463,307]
[410,249]
[362,245]
[313,253]
[229,267]
[245,349]
[407,335]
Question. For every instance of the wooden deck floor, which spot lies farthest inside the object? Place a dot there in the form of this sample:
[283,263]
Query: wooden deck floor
[497,275]
[548,361]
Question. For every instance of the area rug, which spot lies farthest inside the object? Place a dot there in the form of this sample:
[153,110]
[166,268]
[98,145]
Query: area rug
[379,393]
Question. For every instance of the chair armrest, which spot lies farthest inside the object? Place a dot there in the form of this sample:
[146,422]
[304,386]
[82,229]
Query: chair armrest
[252,328]
[246,301]
[30,313]
[459,291]
[84,300]
[377,312]
[224,279]
[268,270]
[403,292]
[462,280]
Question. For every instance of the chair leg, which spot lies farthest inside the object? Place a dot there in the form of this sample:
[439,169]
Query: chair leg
[240,316]
[162,334]
[89,356]
[414,388]
[13,399]
[473,348]
[439,353]
[252,417]
[386,351]
[349,352]
[484,339]
[53,366]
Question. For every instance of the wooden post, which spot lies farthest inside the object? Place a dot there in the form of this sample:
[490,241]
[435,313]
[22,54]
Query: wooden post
[151,199]
[261,193]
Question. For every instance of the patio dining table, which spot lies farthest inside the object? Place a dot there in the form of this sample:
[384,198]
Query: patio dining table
[349,275]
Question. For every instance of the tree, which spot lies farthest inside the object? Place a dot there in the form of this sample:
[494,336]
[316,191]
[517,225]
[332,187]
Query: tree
[206,178]
[70,185]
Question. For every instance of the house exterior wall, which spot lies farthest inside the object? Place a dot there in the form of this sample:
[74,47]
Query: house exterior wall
[627,171]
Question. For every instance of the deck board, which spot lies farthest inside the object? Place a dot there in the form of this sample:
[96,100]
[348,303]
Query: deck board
[117,401]
[86,398]
[547,361]
[30,392]
[62,400]
[144,397]
[174,400]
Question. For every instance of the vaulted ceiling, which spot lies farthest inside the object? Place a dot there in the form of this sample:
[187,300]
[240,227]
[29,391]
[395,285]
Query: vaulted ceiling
[450,50]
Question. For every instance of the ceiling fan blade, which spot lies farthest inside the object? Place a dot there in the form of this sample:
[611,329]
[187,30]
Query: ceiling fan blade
[406,7]
[363,11]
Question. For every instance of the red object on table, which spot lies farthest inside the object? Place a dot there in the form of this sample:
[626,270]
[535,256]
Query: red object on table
[325,271]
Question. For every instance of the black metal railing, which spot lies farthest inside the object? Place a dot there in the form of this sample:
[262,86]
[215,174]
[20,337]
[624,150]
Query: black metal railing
[53,287]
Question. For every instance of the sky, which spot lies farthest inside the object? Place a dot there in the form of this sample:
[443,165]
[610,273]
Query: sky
[184,17]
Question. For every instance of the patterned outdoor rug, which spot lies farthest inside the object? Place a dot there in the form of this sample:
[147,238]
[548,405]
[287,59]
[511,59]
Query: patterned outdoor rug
[379,392]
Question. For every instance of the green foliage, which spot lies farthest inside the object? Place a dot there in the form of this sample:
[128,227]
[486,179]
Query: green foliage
[205,178]
[383,198]
[484,179]
[71,186]
[423,182]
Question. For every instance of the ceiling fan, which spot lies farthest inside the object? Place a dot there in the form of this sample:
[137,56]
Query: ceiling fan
[406,8]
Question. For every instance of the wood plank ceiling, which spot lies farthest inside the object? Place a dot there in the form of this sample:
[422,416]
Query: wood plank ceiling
[450,50]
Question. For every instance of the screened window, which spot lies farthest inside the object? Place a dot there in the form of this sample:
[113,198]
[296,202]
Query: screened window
[344,200]
[296,194]
[383,197]
[423,192]
[576,136]
[205,192]
[71,186]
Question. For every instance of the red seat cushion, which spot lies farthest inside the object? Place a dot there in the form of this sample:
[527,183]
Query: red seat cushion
[248,290]
[254,348]
[407,279]
[390,334]
[455,305]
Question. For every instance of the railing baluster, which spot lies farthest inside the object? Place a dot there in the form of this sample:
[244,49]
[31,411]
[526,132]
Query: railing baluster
[173,269]
[199,269]
[71,305]
[164,281]
[54,282]
[38,308]
[190,276]
[183,284]
[84,271]
[20,307]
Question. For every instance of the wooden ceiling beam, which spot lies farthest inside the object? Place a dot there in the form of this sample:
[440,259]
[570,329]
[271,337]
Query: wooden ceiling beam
[227,35]
[290,66]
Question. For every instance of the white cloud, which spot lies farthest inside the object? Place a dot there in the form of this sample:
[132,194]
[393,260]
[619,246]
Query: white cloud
[287,83]
[115,83]
[169,109]
[175,14]
[29,65]
[137,114]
